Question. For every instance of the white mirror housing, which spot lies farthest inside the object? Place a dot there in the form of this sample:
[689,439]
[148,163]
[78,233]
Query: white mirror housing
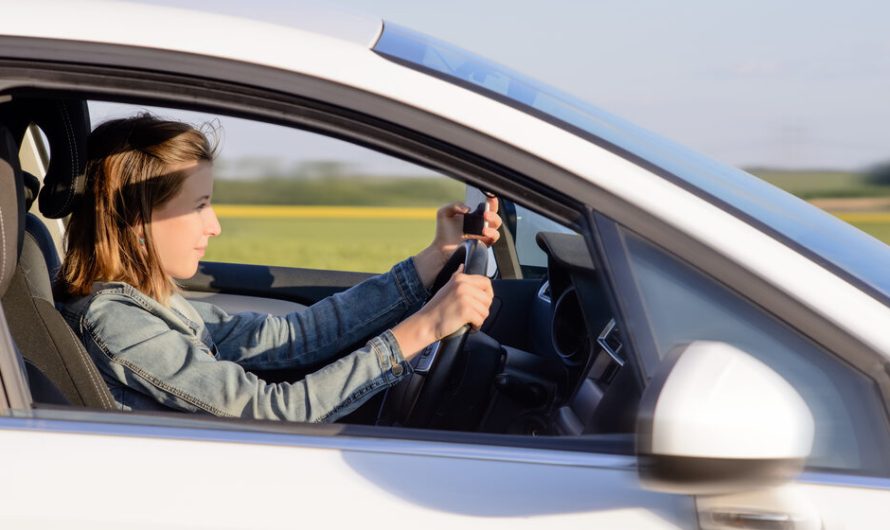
[714,419]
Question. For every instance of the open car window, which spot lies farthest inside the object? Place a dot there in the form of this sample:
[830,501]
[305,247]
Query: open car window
[300,211]
[292,198]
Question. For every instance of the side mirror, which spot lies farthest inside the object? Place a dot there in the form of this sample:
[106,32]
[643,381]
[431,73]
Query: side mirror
[716,420]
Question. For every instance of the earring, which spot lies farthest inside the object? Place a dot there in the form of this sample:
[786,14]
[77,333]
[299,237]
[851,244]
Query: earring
[142,241]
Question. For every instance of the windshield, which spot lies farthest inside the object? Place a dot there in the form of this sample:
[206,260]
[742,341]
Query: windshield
[850,252]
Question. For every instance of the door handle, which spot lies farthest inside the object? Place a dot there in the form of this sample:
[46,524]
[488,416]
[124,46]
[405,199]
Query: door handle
[751,520]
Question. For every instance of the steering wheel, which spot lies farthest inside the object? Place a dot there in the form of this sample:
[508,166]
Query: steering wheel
[415,400]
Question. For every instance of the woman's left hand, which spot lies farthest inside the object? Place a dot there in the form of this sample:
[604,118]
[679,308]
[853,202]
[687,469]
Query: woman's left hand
[450,233]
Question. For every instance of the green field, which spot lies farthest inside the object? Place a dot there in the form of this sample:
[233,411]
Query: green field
[288,222]
[263,224]
[352,191]
[822,184]
[366,245]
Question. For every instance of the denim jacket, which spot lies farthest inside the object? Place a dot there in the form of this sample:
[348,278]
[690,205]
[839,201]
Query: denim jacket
[193,356]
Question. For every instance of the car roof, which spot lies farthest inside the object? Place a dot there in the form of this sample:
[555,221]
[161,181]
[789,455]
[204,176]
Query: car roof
[189,30]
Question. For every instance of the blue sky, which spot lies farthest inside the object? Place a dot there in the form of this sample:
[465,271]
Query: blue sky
[772,83]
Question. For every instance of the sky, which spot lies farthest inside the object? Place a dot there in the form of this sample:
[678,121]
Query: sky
[793,83]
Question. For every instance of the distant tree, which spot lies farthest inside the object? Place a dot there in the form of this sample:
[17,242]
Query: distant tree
[879,174]
[323,169]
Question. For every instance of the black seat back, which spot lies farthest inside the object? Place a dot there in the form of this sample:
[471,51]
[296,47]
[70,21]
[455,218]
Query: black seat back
[49,347]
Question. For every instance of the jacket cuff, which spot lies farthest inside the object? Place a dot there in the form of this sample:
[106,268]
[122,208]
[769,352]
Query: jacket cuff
[412,289]
[392,363]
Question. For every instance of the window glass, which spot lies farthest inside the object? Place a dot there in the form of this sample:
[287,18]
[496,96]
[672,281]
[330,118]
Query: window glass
[528,224]
[293,198]
[682,305]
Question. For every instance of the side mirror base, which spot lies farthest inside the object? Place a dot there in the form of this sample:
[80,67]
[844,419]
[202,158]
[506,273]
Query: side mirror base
[713,476]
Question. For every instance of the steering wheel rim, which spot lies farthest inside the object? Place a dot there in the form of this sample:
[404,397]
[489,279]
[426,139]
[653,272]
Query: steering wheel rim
[415,400]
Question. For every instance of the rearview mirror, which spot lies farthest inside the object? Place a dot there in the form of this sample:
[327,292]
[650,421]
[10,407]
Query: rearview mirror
[716,420]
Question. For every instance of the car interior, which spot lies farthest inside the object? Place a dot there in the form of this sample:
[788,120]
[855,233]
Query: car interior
[549,361]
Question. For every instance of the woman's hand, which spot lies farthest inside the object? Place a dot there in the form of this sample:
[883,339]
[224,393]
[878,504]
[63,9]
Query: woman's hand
[465,299]
[449,234]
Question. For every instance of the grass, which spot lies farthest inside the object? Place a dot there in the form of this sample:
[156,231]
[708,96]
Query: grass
[357,244]
[352,191]
[363,239]
[822,184]
[359,237]
[287,221]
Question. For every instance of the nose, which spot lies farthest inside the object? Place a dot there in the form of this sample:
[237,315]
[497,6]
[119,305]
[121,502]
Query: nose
[211,226]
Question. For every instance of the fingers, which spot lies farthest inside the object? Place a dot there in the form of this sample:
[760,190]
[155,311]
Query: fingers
[465,299]
[472,281]
[474,306]
[492,204]
[474,294]
[490,234]
[476,316]
[494,220]
[451,210]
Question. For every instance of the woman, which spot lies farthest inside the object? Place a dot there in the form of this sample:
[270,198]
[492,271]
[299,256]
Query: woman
[146,221]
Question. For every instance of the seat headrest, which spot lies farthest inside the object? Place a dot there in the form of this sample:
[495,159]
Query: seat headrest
[12,206]
[32,188]
[66,124]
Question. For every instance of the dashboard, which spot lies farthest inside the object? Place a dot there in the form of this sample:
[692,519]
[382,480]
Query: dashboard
[602,391]
[552,361]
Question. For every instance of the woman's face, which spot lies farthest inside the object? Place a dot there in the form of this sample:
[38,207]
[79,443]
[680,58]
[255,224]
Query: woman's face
[182,227]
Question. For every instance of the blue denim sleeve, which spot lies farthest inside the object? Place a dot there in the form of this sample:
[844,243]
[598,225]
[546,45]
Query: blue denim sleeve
[318,333]
[142,350]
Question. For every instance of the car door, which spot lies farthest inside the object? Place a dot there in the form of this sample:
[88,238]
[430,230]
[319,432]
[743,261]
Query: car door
[112,470]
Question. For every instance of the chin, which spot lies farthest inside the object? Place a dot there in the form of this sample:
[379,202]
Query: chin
[185,273]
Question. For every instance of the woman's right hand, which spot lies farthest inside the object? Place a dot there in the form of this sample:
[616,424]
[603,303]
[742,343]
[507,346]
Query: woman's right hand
[465,299]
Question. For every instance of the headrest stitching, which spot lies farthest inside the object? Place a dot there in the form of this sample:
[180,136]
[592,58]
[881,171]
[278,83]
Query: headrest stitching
[69,134]
[3,236]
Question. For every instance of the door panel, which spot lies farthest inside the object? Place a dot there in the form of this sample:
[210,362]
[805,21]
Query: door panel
[850,506]
[302,286]
[237,303]
[347,482]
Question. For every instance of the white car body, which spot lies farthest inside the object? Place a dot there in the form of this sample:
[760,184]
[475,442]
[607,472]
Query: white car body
[82,472]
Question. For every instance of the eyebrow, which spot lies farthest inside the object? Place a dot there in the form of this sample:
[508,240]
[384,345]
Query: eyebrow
[202,197]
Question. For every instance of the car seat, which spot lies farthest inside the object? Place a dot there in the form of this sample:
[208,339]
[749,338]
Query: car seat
[50,349]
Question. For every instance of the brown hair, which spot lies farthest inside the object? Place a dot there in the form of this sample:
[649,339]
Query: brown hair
[128,174]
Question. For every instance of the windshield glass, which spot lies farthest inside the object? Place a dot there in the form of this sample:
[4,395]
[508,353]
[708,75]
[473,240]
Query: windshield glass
[850,252]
